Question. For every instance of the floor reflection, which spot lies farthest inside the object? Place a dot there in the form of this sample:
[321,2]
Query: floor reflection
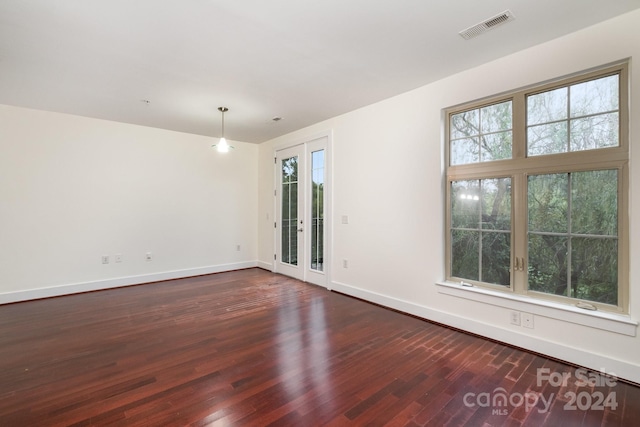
[304,350]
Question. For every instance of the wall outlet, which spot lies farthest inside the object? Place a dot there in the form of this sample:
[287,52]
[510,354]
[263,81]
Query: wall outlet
[345,219]
[515,318]
[345,263]
[105,259]
[148,256]
[238,248]
[527,320]
[118,257]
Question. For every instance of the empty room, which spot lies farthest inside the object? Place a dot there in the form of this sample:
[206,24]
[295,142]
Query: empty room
[341,213]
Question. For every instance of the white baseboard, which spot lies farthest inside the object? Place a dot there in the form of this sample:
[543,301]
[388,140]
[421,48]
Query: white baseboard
[265,265]
[596,362]
[55,291]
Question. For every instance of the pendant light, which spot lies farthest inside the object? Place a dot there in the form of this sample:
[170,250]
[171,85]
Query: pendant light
[222,146]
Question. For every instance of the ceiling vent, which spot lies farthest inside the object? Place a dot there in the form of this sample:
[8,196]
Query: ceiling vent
[483,27]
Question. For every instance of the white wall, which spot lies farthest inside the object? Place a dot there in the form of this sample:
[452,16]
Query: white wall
[73,189]
[388,177]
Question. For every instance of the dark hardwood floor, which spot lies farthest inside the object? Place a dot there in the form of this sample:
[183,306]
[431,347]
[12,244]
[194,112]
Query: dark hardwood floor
[254,348]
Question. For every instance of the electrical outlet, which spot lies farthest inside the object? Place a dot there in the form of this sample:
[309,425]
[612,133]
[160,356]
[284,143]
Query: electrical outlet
[515,318]
[148,256]
[238,248]
[118,257]
[527,320]
[105,259]
[345,263]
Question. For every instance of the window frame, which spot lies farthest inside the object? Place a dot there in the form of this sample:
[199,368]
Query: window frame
[520,166]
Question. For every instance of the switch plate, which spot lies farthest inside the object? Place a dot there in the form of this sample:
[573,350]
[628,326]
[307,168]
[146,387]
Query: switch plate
[515,318]
[118,257]
[105,259]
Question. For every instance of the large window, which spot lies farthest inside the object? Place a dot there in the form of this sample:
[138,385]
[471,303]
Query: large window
[537,191]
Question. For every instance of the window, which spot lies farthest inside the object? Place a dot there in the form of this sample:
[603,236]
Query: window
[317,210]
[537,184]
[290,210]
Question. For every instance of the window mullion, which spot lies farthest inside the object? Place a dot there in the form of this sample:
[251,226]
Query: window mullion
[519,239]
[519,197]
[481,201]
[569,238]
[519,127]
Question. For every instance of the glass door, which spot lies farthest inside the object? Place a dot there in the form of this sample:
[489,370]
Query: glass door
[301,228]
[290,224]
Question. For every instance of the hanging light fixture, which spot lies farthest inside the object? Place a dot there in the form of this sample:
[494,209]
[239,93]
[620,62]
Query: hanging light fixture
[222,146]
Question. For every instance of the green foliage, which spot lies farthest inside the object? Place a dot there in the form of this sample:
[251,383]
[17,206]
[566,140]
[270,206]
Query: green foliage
[572,217]
[573,235]
[481,238]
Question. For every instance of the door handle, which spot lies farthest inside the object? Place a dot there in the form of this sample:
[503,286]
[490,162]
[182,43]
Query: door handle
[300,230]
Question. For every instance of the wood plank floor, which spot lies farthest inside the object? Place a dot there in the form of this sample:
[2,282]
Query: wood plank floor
[254,348]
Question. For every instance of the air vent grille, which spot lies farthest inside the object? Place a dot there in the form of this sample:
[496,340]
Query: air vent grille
[483,27]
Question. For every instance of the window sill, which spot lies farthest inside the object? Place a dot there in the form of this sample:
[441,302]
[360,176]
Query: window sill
[612,322]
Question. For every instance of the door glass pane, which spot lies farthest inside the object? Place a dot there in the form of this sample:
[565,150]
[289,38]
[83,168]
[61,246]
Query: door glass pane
[290,210]
[317,210]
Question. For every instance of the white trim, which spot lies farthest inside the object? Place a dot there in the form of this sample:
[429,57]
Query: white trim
[611,322]
[320,278]
[266,265]
[304,143]
[55,291]
[297,271]
[558,351]
[303,140]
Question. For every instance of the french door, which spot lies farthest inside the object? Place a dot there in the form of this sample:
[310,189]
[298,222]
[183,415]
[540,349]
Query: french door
[301,194]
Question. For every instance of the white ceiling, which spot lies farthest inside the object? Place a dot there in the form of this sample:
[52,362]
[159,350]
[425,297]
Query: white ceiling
[302,60]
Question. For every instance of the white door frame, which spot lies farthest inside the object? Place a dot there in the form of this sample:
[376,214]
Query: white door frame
[304,272]
[296,232]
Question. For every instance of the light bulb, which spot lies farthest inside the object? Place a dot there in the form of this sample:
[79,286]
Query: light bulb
[222,146]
